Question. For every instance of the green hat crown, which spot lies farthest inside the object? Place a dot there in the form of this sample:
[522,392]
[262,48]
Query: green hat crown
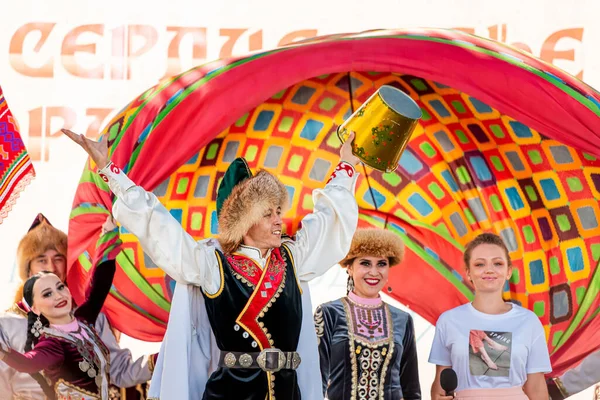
[237,172]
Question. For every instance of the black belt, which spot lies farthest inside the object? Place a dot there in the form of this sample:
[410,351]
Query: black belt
[269,360]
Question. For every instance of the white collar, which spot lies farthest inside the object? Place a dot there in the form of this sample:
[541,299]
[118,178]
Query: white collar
[254,253]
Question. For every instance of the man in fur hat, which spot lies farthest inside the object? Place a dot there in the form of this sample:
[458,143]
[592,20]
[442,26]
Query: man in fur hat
[44,248]
[241,324]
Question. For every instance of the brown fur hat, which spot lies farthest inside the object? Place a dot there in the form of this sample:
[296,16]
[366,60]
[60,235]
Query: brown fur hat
[246,205]
[42,236]
[375,243]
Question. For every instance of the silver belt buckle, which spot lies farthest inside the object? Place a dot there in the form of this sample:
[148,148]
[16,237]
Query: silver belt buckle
[271,360]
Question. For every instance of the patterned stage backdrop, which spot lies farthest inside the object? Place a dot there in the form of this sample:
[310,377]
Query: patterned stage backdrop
[468,168]
[16,170]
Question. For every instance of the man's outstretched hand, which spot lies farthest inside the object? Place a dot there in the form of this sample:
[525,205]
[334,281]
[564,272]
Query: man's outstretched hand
[98,151]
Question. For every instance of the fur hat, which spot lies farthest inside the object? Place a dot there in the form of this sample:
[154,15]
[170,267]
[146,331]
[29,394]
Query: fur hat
[375,243]
[42,236]
[246,202]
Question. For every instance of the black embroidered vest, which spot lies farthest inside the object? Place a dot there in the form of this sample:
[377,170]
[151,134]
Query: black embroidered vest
[255,309]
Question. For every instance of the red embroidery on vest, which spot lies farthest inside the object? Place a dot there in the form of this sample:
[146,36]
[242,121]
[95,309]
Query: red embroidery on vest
[265,293]
[245,268]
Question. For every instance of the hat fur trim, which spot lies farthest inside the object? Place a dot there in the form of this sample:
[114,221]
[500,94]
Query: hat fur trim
[247,204]
[375,243]
[36,242]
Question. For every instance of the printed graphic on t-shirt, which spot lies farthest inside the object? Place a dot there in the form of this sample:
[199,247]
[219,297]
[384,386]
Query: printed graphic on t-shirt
[489,353]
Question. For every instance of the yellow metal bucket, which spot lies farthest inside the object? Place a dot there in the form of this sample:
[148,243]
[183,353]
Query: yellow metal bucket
[382,126]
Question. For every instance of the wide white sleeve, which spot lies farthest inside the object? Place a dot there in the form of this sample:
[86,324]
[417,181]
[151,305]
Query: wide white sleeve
[325,235]
[124,371]
[538,359]
[188,352]
[162,237]
[440,353]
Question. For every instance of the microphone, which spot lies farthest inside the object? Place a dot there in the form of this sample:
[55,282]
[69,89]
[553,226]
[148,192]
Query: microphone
[449,381]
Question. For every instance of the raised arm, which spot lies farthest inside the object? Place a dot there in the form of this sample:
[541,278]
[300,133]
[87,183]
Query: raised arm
[326,234]
[46,354]
[107,248]
[124,371]
[162,237]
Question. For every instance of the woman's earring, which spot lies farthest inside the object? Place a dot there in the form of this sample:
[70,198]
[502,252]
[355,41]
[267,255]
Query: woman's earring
[37,327]
[350,284]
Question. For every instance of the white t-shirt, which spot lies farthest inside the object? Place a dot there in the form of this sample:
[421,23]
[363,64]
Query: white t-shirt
[490,351]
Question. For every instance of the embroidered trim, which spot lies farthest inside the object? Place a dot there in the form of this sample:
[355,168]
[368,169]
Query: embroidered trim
[390,352]
[112,167]
[342,166]
[245,269]
[319,324]
[271,383]
[370,362]
[364,305]
[266,308]
[18,189]
[266,291]
[98,348]
[79,392]
[370,355]
[289,251]
[365,320]
[102,174]
[222,284]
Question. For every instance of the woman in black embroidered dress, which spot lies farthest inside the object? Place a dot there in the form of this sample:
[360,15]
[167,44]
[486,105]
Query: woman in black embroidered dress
[64,344]
[367,348]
